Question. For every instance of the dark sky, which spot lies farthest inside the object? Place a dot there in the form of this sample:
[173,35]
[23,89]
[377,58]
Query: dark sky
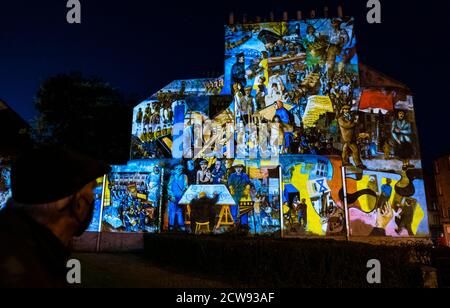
[140,46]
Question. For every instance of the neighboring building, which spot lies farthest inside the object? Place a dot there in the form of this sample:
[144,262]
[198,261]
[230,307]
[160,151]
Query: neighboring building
[442,177]
[14,136]
[14,132]
[434,213]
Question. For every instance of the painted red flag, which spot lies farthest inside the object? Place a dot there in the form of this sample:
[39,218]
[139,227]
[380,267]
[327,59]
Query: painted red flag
[376,99]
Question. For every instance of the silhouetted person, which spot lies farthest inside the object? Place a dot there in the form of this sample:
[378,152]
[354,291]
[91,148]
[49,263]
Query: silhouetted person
[52,201]
[203,210]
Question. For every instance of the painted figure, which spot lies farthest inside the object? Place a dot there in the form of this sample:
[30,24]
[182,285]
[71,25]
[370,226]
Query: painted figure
[237,183]
[238,71]
[401,134]
[178,185]
[347,123]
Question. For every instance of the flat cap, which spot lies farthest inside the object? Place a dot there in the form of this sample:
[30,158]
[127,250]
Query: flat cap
[48,174]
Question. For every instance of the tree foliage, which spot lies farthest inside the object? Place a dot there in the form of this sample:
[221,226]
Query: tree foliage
[84,114]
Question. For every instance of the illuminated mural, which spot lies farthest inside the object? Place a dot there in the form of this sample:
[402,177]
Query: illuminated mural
[5,185]
[159,122]
[387,204]
[216,196]
[292,101]
[95,225]
[291,61]
[311,202]
[387,198]
[132,198]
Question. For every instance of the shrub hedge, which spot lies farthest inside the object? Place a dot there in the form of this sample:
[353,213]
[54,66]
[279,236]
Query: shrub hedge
[270,262]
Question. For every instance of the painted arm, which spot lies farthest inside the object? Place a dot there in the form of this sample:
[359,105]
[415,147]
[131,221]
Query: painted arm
[169,189]
[346,124]
[406,129]
[394,133]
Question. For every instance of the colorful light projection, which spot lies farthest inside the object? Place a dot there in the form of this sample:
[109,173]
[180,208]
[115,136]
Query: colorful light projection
[311,202]
[291,101]
[95,225]
[291,60]
[132,198]
[5,185]
[387,204]
[388,198]
[247,196]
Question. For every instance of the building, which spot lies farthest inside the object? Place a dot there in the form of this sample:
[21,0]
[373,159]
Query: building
[308,141]
[434,212]
[14,136]
[442,178]
[14,131]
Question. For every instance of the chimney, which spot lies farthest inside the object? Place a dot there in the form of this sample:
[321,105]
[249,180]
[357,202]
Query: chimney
[244,19]
[312,14]
[285,16]
[231,19]
[299,15]
[325,12]
[340,12]
[272,17]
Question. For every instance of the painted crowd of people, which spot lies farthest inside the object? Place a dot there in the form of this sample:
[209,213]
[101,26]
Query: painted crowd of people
[241,187]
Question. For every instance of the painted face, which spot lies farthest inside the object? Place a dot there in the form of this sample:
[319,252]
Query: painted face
[229,164]
[190,165]
[178,170]
[346,110]
[401,115]
[241,59]
[218,165]
[238,169]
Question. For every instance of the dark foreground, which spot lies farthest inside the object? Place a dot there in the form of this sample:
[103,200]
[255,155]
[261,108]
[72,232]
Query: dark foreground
[135,271]
[222,262]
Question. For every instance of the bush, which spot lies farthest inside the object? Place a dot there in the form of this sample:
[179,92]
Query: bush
[269,262]
[441,260]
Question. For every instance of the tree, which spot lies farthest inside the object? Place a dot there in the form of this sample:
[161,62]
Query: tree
[84,114]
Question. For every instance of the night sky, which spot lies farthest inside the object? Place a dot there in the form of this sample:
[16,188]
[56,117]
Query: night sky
[140,46]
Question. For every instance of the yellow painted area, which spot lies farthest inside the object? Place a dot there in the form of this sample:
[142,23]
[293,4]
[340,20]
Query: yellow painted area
[168,142]
[368,203]
[417,219]
[317,106]
[299,181]
[107,199]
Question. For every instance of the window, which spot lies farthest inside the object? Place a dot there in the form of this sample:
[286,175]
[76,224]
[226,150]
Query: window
[436,167]
[434,206]
[436,220]
[440,191]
